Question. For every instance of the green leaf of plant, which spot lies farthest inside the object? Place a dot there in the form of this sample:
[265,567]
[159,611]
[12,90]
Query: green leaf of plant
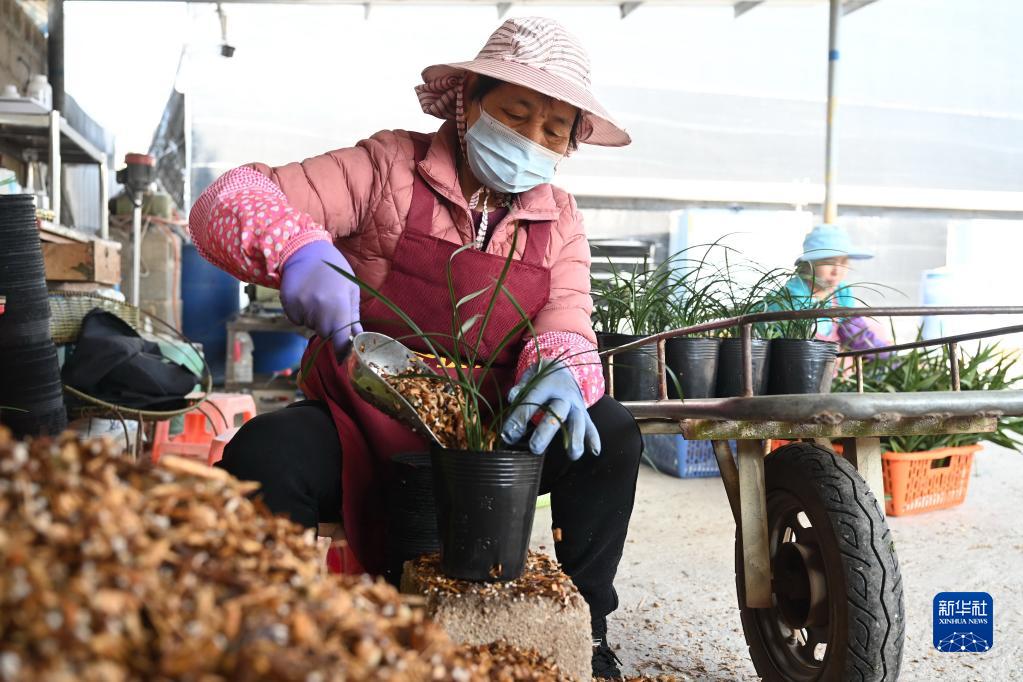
[469,324]
[469,297]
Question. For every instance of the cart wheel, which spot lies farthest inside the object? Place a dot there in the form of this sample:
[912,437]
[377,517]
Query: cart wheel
[838,612]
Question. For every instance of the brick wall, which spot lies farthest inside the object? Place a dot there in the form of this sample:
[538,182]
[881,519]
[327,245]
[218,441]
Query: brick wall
[22,52]
[22,45]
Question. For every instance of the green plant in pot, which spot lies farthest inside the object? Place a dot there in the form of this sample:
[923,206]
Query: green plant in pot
[485,490]
[627,307]
[987,368]
[927,472]
[799,362]
[691,362]
[739,299]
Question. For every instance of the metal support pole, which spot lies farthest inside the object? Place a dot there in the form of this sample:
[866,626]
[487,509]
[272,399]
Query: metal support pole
[139,437]
[662,378]
[54,163]
[229,366]
[610,375]
[747,360]
[756,553]
[104,209]
[830,153]
[55,53]
[953,361]
[859,374]
[865,455]
[136,247]
[729,476]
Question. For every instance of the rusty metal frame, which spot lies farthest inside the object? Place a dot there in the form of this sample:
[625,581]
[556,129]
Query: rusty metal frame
[756,551]
[858,419]
[717,429]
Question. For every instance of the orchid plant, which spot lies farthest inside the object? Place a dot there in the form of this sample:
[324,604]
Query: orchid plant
[989,367]
[469,373]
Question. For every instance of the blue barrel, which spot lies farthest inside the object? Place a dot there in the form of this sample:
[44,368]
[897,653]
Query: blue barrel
[209,297]
[937,287]
[276,351]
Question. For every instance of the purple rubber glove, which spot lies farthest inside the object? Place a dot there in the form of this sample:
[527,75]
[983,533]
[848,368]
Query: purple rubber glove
[557,392]
[317,297]
[861,333]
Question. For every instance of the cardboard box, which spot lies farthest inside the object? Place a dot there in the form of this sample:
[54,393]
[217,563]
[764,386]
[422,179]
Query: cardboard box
[95,261]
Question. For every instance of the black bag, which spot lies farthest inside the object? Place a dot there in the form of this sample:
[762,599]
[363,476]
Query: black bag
[113,363]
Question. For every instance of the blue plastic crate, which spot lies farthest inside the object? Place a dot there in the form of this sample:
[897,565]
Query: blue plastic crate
[676,456]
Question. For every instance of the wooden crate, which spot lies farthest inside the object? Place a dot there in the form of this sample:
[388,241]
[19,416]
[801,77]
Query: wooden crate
[94,261]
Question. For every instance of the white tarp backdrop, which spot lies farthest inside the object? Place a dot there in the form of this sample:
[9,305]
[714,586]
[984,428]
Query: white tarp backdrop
[931,97]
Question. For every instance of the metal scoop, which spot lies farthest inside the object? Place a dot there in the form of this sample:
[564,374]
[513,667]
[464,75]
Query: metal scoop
[372,357]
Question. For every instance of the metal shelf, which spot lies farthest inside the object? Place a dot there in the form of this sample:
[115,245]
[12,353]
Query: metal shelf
[246,322]
[48,136]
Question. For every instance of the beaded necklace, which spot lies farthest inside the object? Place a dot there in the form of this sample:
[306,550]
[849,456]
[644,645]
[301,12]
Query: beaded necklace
[502,200]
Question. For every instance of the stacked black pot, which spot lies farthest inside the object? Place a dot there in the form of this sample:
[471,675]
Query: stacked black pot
[412,523]
[31,396]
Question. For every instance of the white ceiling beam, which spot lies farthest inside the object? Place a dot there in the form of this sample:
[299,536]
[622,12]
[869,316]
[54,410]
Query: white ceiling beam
[479,3]
[628,8]
[744,6]
[792,193]
[850,6]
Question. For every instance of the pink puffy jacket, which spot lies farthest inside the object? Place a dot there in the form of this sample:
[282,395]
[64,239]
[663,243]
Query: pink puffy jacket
[253,218]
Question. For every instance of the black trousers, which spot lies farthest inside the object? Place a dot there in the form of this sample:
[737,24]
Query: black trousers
[296,456]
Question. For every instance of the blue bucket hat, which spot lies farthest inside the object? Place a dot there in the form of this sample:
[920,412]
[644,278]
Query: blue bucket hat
[829,241]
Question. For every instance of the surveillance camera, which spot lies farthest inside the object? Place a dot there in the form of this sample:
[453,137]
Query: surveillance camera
[227,50]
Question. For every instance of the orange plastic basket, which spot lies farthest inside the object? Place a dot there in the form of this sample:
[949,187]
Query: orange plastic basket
[916,482]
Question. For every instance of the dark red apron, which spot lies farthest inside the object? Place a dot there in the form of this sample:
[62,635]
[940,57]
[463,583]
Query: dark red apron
[418,284]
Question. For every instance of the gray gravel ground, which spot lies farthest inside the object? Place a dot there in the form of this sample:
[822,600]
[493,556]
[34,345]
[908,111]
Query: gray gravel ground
[678,614]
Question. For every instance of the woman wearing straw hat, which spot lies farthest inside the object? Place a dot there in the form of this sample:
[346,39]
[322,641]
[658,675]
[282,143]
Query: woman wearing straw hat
[384,210]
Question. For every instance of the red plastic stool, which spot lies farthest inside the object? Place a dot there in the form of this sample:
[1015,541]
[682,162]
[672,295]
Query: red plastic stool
[217,415]
[218,444]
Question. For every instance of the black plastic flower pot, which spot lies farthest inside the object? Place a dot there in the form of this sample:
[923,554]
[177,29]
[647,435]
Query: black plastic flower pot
[635,371]
[692,365]
[29,370]
[730,368]
[485,507]
[412,513]
[801,366]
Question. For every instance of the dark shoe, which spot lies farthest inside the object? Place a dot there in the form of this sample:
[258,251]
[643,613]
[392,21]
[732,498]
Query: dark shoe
[605,662]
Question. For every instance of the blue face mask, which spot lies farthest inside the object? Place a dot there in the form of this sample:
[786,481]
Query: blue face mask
[505,161]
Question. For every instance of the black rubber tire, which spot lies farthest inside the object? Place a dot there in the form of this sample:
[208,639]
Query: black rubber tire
[864,587]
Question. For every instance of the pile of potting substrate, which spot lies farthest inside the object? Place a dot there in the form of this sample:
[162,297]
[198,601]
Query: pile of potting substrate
[112,570]
[546,580]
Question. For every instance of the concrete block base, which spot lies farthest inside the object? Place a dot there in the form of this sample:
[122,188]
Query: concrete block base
[542,610]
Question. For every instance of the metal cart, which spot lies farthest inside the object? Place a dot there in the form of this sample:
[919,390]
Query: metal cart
[817,577]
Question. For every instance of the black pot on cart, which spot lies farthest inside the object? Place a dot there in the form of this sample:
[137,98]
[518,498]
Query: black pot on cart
[691,364]
[635,370]
[730,367]
[801,366]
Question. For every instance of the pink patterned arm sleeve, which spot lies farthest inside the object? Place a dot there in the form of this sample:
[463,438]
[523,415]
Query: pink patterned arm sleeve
[244,225]
[576,351]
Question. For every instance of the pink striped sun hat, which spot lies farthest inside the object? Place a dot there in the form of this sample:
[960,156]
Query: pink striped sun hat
[536,53]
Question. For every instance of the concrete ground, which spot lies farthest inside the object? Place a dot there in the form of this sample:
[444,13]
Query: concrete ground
[678,613]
